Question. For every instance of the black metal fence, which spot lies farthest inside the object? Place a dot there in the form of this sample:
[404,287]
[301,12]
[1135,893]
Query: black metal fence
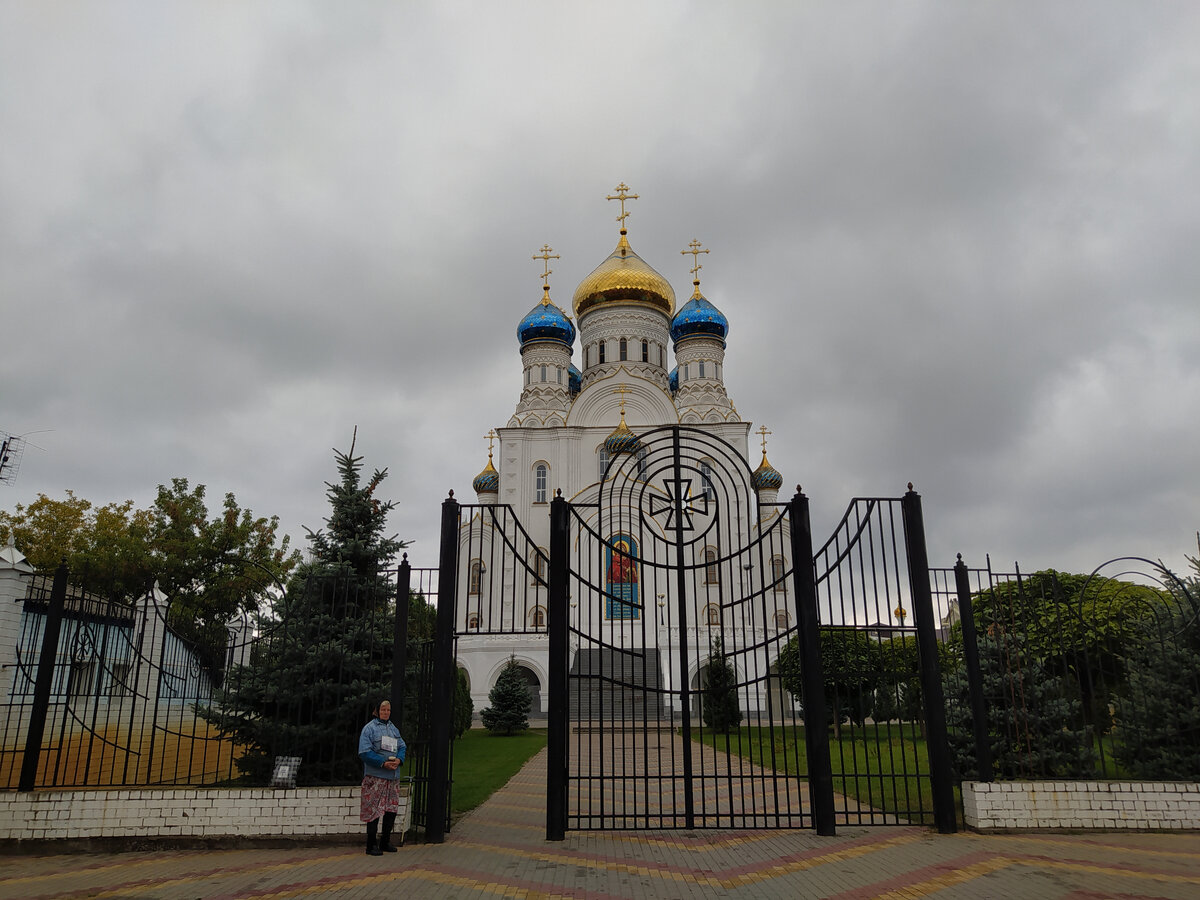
[1066,676]
[107,692]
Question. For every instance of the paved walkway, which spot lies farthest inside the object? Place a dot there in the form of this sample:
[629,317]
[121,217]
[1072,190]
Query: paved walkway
[499,851]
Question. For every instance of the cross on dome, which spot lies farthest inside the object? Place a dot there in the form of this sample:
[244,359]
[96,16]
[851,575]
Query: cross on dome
[622,390]
[763,431]
[622,194]
[545,256]
[491,436]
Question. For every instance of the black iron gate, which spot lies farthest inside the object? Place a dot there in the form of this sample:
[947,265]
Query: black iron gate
[673,602]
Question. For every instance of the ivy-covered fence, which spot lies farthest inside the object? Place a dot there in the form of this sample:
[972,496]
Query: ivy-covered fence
[1057,676]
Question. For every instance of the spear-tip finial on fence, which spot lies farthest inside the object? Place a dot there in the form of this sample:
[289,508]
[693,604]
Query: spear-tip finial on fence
[451,494]
[558,492]
[910,487]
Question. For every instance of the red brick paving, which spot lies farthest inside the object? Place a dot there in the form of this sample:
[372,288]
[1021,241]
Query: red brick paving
[500,851]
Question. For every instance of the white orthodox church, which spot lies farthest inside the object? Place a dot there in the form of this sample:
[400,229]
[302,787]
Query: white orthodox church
[643,363]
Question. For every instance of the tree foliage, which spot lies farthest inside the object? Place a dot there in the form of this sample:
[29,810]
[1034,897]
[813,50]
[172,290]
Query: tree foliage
[509,712]
[1158,721]
[326,659]
[464,706]
[721,710]
[209,567]
[851,667]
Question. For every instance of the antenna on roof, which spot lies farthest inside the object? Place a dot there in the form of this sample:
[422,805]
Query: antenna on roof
[12,448]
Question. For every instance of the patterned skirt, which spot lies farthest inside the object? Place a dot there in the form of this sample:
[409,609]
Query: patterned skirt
[379,796]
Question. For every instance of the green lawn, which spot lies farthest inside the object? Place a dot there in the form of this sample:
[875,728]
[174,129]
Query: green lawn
[875,749]
[483,763]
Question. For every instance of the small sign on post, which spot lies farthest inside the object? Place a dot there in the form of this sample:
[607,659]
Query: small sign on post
[284,773]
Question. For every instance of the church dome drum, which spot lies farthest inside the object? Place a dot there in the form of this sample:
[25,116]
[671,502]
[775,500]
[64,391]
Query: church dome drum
[574,379]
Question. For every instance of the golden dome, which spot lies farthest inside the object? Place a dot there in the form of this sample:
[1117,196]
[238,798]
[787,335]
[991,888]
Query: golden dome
[624,277]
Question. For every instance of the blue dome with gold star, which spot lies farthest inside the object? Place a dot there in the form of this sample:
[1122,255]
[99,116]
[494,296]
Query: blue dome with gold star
[622,440]
[673,380]
[546,322]
[699,317]
[487,481]
[766,477]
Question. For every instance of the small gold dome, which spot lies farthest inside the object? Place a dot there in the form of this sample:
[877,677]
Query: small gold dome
[624,277]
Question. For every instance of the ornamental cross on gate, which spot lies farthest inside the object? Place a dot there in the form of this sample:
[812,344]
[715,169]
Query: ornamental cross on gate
[679,501]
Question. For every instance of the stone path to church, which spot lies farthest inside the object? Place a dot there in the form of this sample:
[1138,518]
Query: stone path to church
[499,851]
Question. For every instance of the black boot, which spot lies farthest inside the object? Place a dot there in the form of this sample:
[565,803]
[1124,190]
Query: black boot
[389,819]
[372,847]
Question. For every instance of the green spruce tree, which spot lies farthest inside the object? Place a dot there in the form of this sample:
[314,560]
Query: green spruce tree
[721,711]
[509,712]
[464,707]
[325,658]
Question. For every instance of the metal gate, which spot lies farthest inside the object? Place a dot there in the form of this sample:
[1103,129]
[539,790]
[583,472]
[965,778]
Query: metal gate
[672,597]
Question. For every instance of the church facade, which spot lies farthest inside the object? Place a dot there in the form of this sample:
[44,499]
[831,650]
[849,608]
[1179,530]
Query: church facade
[644,362]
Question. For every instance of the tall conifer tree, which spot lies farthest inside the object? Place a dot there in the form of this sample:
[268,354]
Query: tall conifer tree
[325,659]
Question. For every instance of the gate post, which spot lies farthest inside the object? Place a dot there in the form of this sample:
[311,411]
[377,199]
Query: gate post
[557,627]
[966,616]
[45,679]
[438,797]
[820,766]
[400,640]
[931,676]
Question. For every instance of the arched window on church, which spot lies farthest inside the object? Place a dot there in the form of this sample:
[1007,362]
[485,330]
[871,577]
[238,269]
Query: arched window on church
[528,375]
[780,583]
[560,374]
[601,345]
[645,351]
[701,375]
[473,621]
[685,372]
[476,576]
[641,463]
[540,476]
[781,619]
[587,356]
[712,572]
[537,618]
[603,461]
[537,566]
[660,354]
[712,615]
[544,373]
[624,347]
[706,485]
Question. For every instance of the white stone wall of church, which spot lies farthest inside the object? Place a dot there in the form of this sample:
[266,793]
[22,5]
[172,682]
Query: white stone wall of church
[183,812]
[635,324]
[1115,805]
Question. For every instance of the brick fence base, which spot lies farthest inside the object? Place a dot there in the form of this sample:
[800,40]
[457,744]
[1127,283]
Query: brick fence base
[196,813]
[1108,805]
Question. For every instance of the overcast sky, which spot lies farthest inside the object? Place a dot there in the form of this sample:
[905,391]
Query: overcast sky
[958,244]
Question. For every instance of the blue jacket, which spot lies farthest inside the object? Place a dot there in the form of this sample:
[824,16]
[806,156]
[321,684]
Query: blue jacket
[371,752]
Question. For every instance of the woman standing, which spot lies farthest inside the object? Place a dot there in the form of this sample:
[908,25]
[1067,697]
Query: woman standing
[381,750]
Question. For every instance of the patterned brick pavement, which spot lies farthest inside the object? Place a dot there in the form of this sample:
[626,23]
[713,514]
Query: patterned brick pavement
[499,851]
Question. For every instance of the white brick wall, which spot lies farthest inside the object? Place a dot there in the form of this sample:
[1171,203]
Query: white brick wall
[1115,805]
[184,812]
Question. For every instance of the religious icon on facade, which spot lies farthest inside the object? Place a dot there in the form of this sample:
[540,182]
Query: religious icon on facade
[622,579]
